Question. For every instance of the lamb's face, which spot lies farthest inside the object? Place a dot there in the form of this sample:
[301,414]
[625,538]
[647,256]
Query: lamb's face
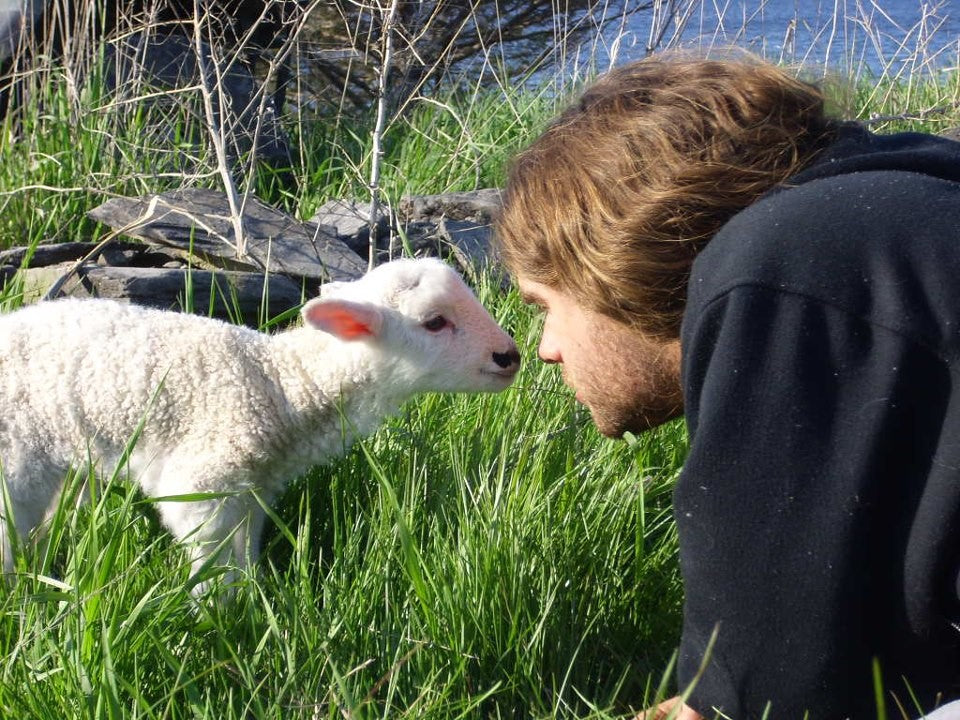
[420,311]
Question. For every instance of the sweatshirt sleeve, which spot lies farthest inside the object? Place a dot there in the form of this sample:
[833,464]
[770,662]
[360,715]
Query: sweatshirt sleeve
[812,432]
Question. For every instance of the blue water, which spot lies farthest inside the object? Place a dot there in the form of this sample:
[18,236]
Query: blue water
[848,36]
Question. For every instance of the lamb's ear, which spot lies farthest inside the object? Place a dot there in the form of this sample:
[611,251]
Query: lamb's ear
[344,319]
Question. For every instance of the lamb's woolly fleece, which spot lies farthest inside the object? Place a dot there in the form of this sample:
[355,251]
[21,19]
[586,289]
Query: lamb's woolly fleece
[226,409]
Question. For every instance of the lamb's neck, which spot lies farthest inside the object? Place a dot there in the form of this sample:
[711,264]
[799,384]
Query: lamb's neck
[324,378]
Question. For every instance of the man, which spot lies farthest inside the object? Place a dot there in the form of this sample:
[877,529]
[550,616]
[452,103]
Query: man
[704,239]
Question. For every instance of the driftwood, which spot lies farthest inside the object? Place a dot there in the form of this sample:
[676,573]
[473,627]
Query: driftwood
[197,223]
[146,276]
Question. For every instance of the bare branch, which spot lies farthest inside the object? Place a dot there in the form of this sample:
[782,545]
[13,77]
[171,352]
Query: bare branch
[215,124]
[376,153]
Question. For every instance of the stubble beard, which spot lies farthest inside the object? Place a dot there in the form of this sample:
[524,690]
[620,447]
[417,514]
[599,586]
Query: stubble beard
[636,413]
[635,391]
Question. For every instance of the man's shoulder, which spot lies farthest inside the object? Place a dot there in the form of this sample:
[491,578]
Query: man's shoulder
[880,244]
[859,212]
[836,225]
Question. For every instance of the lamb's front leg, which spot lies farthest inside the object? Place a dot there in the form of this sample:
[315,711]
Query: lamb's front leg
[28,495]
[221,531]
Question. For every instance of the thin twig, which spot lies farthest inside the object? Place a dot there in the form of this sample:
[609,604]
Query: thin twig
[215,128]
[377,150]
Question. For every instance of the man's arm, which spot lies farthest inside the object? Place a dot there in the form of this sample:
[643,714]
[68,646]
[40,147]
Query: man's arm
[812,433]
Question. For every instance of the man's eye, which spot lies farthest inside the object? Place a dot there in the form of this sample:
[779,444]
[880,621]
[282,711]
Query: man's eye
[436,324]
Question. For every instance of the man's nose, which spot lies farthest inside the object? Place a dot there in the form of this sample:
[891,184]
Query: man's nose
[548,351]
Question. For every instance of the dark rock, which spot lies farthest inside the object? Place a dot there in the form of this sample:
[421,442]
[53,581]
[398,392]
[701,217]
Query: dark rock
[237,296]
[155,256]
[420,238]
[479,206]
[115,255]
[43,255]
[196,222]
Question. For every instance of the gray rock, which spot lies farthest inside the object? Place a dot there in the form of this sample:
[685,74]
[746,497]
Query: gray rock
[197,222]
[479,206]
[461,225]
[229,295]
[350,219]
[469,243]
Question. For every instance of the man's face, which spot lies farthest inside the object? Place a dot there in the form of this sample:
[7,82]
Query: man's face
[626,380]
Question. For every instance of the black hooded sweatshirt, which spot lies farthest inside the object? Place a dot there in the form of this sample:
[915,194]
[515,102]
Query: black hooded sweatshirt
[819,508]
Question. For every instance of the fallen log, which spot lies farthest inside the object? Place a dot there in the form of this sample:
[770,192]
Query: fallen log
[247,297]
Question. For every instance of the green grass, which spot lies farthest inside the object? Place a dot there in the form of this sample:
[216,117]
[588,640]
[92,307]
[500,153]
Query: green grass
[75,151]
[72,154]
[921,104]
[485,556]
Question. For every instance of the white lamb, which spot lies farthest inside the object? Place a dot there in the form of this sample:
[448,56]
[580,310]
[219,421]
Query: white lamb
[226,410]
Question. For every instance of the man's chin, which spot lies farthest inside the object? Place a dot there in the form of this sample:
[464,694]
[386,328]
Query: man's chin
[606,425]
[614,426]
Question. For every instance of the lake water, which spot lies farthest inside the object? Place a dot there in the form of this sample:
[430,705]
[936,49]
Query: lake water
[848,36]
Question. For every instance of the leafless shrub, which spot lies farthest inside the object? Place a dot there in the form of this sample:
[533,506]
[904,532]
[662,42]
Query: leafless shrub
[218,74]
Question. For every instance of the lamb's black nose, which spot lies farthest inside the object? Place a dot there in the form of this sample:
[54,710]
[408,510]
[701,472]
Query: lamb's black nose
[507,359]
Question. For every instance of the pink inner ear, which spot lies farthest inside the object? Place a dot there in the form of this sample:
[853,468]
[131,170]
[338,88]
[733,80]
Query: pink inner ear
[347,326]
[345,323]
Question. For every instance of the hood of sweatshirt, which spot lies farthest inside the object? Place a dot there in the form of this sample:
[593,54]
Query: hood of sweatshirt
[858,150]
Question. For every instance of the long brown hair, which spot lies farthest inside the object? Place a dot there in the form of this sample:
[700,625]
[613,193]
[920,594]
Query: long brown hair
[612,203]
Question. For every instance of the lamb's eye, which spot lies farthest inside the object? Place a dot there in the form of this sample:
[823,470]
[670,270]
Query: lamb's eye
[436,324]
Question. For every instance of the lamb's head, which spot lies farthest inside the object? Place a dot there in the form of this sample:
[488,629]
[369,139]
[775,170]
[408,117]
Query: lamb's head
[421,314]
